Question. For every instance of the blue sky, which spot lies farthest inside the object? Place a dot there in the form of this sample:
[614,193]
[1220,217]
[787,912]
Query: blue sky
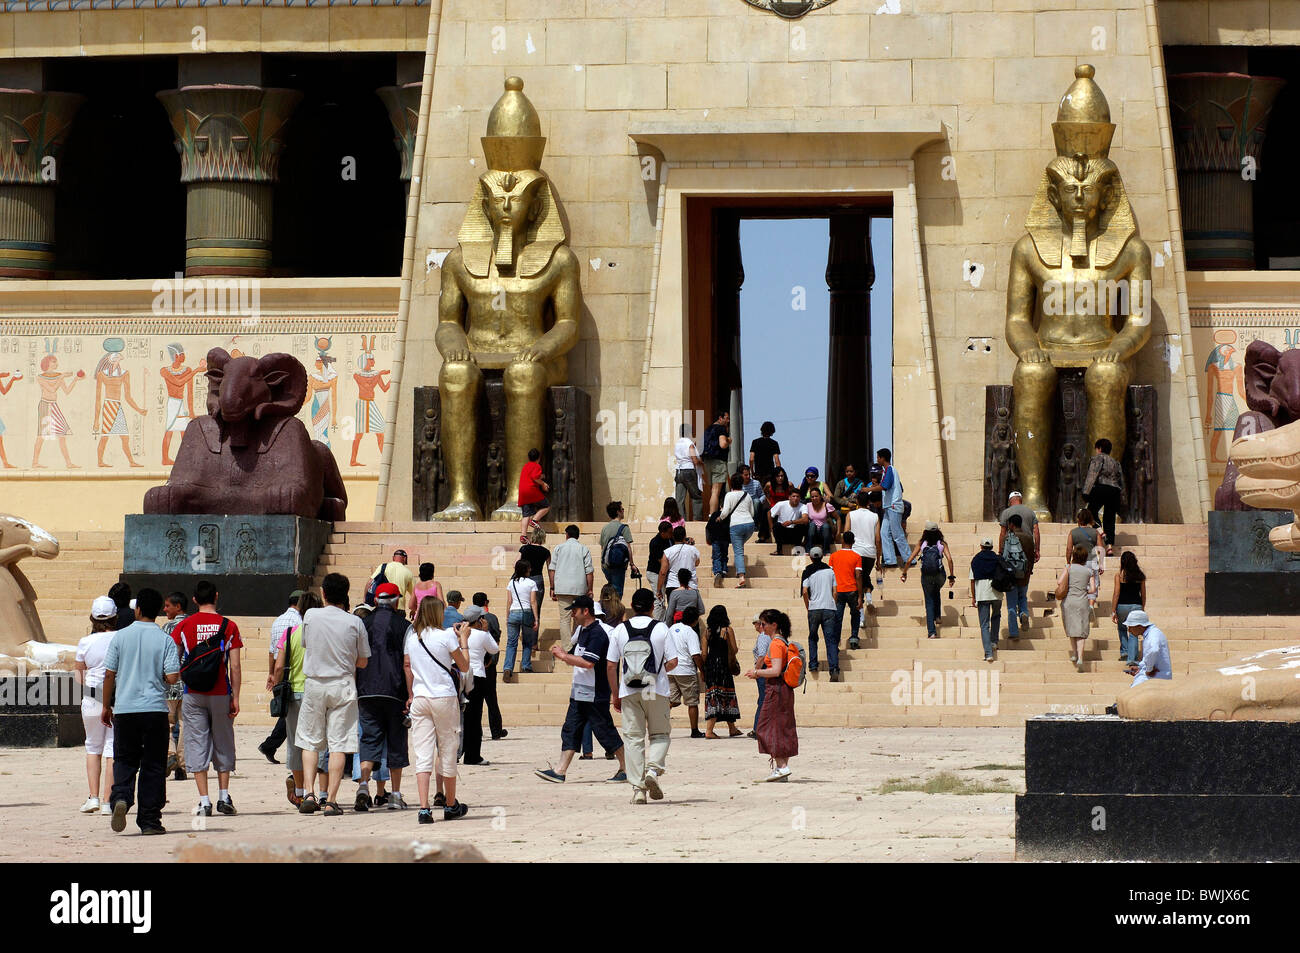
[784,351]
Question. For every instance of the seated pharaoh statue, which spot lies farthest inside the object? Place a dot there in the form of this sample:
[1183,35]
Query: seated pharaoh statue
[509,306]
[1078,293]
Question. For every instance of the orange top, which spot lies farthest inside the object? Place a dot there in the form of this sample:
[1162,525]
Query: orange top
[846,563]
[777,650]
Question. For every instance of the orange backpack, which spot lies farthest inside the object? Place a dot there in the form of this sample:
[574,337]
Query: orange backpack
[796,666]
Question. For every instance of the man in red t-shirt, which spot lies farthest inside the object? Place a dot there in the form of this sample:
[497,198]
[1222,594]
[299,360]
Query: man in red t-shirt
[209,717]
[848,587]
[532,494]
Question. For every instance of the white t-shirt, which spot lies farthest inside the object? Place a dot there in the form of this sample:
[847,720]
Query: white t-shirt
[820,587]
[862,524]
[687,641]
[91,651]
[682,556]
[481,645]
[521,594]
[682,452]
[660,644]
[783,512]
[738,506]
[428,680]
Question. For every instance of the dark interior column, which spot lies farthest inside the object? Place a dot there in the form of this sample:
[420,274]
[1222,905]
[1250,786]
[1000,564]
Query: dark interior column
[850,274]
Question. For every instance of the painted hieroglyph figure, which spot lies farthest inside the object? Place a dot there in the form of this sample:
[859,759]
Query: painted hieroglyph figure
[7,382]
[322,381]
[179,380]
[370,419]
[1224,381]
[50,422]
[112,387]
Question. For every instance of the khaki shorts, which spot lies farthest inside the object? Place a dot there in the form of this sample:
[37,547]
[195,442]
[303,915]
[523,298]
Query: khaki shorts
[329,715]
[715,470]
[683,690]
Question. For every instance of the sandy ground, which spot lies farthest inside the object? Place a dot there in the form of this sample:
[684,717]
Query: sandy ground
[830,810]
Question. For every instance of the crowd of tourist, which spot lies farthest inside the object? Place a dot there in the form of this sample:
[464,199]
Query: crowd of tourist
[361,690]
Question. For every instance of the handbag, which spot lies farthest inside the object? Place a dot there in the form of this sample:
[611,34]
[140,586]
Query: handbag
[282,692]
[457,679]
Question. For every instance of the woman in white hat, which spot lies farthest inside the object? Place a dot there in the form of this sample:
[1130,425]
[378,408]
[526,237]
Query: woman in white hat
[91,652]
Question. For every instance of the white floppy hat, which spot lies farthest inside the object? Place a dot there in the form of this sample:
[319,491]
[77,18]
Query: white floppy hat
[1137,617]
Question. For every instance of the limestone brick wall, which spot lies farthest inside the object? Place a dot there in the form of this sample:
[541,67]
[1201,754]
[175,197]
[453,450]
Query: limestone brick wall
[1229,22]
[992,71]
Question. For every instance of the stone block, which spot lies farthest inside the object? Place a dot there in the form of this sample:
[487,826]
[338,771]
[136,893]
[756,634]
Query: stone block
[952,81]
[627,87]
[791,84]
[625,8]
[586,40]
[41,729]
[38,33]
[112,32]
[708,85]
[1184,22]
[887,82]
[1074,33]
[518,46]
[992,35]
[749,39]
[1241,23]
[1034,80]
[357,29]
[912,37]
[841,38]
[234,29]
[1131,33]
[285,29]
[668,41]
[994,125]
[240,544]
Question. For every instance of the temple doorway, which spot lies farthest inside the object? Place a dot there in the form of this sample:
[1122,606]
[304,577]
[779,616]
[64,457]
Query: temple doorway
[790,303]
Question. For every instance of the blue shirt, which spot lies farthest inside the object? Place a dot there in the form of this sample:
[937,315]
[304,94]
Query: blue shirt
[141,654]
[450,616]
[755,491]
[893,487]
[1155,655]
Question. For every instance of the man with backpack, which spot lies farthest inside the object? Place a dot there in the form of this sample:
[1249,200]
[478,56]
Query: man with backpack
[984,597]
[1018,554]
[381,697]
[209,645]
[394,571]
[639,660]
[616,547]
[818,588]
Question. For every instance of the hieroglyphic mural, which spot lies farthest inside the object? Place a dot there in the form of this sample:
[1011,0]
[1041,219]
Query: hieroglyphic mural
[119,394]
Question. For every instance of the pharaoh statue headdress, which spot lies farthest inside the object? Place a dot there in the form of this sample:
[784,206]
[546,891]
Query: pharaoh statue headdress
[513,147]
[1083,132]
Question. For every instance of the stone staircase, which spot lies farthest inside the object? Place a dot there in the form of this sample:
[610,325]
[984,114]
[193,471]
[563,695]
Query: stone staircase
[1032,677]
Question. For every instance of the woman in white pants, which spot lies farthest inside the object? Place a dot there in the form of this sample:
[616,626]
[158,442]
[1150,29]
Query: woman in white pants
[435,661]
[91,652]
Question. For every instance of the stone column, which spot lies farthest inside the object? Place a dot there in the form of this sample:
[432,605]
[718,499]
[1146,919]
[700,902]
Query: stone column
[850,273]
[229,140]
[1219,122]
[32,128]
[403,104]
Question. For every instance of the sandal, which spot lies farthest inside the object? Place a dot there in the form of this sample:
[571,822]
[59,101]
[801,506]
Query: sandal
[308,805]
[332,809]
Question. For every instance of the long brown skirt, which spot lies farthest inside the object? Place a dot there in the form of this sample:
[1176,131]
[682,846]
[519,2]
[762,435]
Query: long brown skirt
[775,729]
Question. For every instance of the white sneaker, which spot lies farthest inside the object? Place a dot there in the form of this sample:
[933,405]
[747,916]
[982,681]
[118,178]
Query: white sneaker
[652,786]
[638,796]
[91,806]
[784,772]
[776,775]
[105,810]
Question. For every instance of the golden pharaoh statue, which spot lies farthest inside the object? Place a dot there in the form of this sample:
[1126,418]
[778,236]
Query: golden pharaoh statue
[1080,270]
[510,304]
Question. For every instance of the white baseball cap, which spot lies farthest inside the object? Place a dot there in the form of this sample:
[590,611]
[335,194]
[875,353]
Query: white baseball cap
[1013,495]
[103,609]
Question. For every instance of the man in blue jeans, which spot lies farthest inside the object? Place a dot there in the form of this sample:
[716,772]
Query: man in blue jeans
[616,573]
[894,549]
[1018,596]
[818,589]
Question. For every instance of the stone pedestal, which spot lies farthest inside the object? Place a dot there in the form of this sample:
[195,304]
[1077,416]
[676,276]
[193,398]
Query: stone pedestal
[229,139]
[32,129]
[566,457]
[1247,575]
[1219,121]
[254,561]
[1217,791]
[41,710]
[1071,451]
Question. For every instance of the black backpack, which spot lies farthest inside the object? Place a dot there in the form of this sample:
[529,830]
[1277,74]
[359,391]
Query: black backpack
[1004,577]
[931,559]
[380,578]
[203,665]
[712,447]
